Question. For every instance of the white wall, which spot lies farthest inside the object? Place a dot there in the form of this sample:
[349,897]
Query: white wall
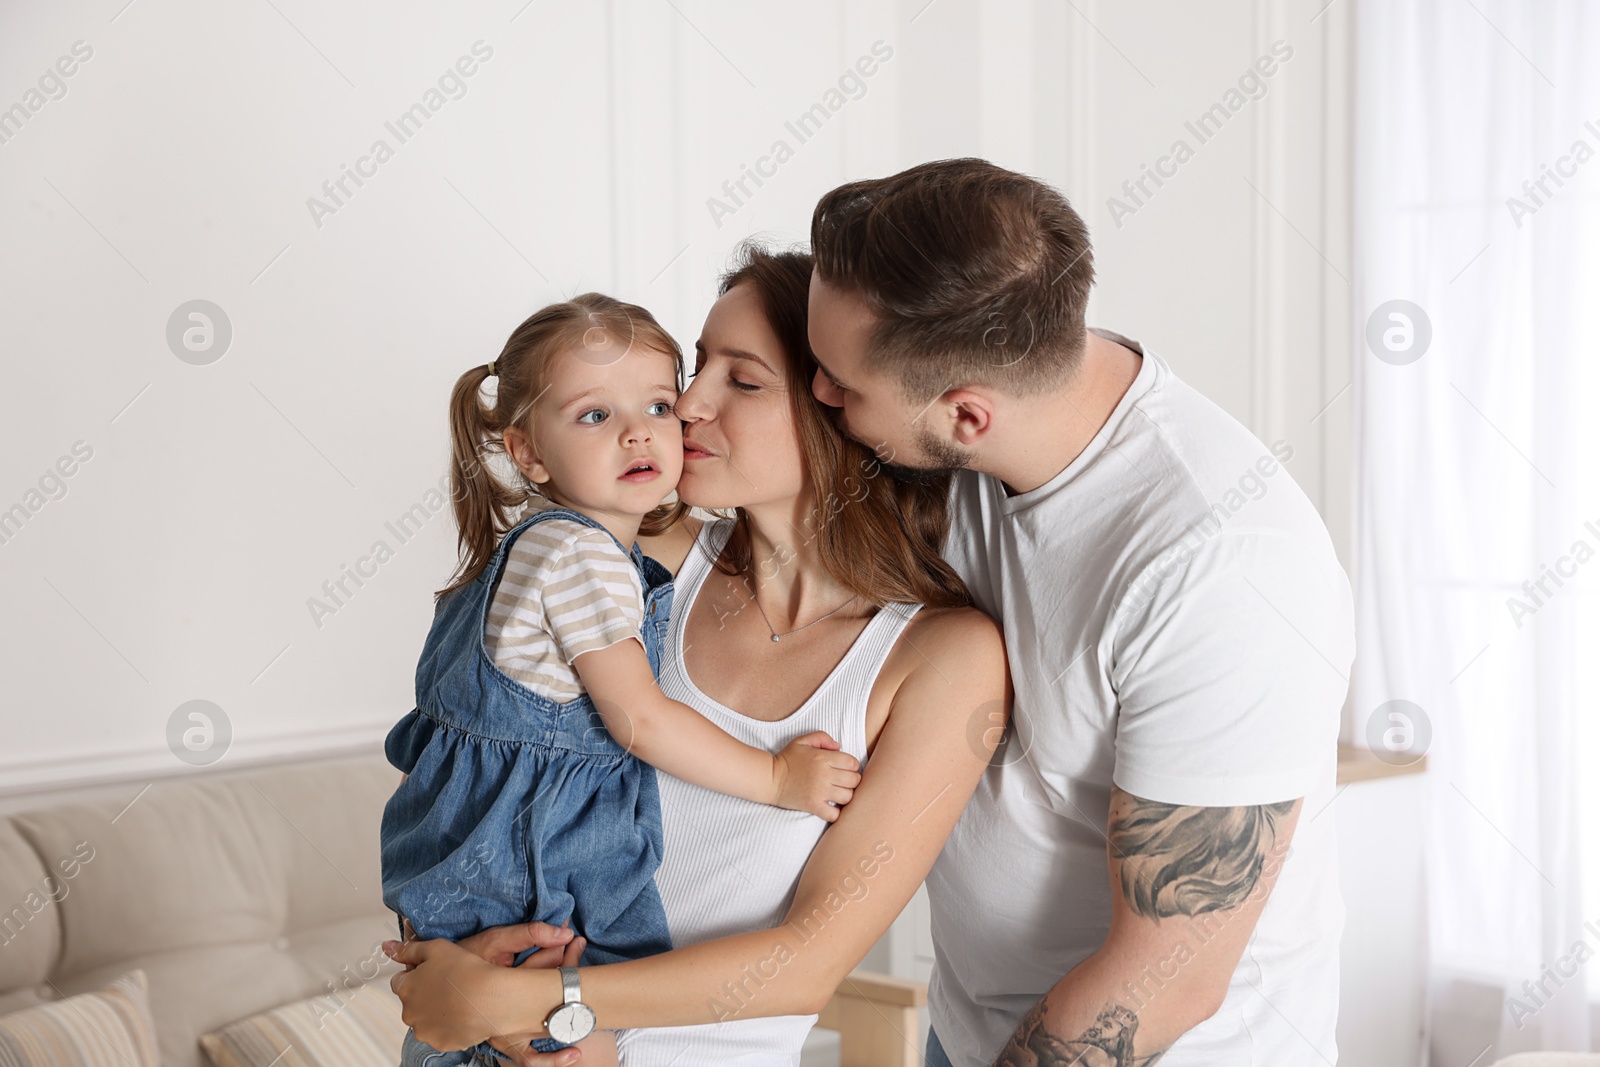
[178,165]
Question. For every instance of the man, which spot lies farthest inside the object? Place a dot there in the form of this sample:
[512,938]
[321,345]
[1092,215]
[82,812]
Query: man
[1179,632]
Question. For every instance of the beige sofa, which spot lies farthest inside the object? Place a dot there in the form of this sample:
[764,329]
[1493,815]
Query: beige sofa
[234,894]
[241,892]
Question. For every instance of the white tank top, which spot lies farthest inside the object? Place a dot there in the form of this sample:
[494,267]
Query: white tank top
[730,865]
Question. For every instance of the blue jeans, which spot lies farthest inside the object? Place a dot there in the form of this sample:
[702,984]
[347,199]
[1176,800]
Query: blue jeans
[414,1053]
[935,1056]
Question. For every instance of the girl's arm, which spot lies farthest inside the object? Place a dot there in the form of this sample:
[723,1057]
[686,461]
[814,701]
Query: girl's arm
[943,726]
[675,738]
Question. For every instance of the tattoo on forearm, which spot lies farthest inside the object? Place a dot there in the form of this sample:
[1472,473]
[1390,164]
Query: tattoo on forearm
[1107,1043]
[1187,861]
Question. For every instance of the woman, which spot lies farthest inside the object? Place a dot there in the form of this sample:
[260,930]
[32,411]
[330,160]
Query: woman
[824,604]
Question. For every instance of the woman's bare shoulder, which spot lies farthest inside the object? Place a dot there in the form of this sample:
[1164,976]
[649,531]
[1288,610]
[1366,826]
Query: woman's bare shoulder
[949,677]
[957,625]
[950,641]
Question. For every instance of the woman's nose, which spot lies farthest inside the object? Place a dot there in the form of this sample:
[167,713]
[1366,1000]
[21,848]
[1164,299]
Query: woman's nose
[690,407]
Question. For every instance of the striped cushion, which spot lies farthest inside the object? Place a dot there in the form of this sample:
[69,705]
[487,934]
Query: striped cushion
[347,1030]
[110,1028]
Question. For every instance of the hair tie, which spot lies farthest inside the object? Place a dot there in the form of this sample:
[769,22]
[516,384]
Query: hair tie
[491,368]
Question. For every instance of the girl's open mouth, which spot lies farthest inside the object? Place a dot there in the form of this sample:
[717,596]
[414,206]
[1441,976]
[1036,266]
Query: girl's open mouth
[642,471]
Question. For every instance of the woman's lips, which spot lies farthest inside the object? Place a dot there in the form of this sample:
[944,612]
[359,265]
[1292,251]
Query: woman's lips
[694,451]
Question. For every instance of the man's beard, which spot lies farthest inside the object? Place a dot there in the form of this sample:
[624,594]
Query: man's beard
[941,459]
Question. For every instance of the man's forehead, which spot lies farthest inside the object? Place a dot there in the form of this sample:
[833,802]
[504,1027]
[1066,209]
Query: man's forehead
[840,312]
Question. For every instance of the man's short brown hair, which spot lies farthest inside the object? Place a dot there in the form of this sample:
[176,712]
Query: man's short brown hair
[977,274]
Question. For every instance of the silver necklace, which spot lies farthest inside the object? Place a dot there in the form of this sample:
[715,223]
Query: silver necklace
[776,635]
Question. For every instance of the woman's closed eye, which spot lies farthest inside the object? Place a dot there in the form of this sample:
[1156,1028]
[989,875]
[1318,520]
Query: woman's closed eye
[738,383]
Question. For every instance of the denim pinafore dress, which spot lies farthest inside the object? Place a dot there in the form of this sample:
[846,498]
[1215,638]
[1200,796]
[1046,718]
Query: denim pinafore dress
[517,807]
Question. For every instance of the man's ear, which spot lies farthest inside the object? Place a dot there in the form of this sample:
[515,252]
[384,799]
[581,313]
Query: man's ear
[520,447]
[972,415]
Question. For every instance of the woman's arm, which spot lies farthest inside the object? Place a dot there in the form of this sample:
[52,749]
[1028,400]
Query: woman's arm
[943,726]
[808,774]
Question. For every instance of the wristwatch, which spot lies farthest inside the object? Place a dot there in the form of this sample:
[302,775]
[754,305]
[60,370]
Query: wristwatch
[574,1020]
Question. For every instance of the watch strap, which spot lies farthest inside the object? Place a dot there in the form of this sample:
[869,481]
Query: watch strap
[570,990]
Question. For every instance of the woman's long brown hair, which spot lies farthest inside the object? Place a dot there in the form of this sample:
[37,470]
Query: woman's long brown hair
[484,504]
[880,538]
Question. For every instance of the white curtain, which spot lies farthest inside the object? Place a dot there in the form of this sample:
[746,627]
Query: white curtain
[1478,559]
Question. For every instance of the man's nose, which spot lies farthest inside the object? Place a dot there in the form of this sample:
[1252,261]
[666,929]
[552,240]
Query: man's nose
[824,391]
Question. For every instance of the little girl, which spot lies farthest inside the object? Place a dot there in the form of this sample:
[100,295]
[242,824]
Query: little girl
[530,793]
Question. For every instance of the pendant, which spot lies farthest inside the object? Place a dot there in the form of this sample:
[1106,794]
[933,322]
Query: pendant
[774,637]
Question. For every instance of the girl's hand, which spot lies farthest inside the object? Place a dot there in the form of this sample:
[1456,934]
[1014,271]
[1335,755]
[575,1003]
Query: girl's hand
[451,997]
[811,771]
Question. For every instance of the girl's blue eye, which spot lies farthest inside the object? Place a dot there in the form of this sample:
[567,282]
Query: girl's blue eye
[584,418]
[664,405]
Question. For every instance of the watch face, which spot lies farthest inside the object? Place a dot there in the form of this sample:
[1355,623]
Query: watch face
[571,1022]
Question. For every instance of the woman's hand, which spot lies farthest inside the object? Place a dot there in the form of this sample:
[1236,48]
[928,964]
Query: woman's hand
[556,947]
[451,997]
[500,945]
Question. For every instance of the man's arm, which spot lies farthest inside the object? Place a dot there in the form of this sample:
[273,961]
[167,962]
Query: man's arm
[1187,886]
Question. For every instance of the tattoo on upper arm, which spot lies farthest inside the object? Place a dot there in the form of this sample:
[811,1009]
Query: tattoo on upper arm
[1106,1043]
[1187,860]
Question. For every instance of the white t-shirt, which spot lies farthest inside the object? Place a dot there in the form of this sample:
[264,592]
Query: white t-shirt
[1177,624]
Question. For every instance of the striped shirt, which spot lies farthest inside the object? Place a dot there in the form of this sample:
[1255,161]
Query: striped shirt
[566,589]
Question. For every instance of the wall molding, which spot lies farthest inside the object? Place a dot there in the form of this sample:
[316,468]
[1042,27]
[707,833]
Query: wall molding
[56,775]
[1301,298]
[1080,125]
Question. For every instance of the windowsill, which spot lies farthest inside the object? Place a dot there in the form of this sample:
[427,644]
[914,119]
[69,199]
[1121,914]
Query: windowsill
[1360,765]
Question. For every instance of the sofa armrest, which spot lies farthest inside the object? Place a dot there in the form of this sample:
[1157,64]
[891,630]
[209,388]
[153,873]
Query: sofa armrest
[876,1016]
